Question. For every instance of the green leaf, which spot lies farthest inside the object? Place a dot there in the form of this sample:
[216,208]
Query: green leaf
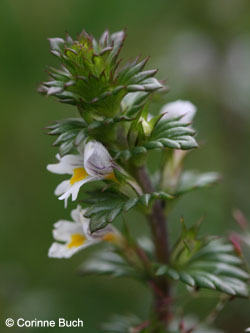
[97,125]
[104,207]
[116,41]
[208,264]
[165,134]
[107,263]
[91,77]
[70,133]
[133,102]
[191,180]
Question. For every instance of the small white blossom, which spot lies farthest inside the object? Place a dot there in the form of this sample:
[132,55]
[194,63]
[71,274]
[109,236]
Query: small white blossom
[179,108]
[71,237]
[93,163]
[97,161]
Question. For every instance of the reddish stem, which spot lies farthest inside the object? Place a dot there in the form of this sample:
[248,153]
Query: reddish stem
[158,226]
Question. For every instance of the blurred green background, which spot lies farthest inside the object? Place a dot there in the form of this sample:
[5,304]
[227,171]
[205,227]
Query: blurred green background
[202,49]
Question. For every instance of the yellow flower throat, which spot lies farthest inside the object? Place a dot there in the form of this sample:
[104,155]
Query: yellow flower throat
[76,240]
[81,173]
[78,174]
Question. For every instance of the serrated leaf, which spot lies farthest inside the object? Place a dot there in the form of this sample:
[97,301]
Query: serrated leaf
[117,40]
[165,134]
[71,132]
[130,71]
[209,267]
[107,263]
[103,208]
[133,102]
[91,77]
[191,180]
[66,147]
[56,44]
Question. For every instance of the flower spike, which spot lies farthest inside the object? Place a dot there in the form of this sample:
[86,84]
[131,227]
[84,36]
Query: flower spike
[90,76]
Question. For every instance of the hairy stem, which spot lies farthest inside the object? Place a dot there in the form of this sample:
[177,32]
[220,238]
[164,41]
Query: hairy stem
[158,226]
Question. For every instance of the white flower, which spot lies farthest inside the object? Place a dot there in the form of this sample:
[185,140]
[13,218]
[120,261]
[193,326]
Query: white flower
[93,163]
[97,161]
[179,108]
[71,237]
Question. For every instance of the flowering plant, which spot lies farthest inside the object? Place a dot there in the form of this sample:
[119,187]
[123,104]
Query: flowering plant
[110,144]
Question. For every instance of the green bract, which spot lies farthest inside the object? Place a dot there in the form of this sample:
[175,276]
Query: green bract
[104,207]
[206,263]
[91,76]
[162,134]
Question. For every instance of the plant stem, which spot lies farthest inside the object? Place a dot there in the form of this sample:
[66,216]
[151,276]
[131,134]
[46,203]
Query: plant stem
[157,221]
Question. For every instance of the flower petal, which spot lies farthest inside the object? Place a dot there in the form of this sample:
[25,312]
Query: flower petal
[76,214]
[97,160]
[64,229]
[179,108]
[58,250]
[74,189]
[62,187]
[66,164]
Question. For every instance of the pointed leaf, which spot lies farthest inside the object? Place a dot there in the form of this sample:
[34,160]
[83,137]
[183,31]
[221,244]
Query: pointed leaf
[104,207]
[210,264]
